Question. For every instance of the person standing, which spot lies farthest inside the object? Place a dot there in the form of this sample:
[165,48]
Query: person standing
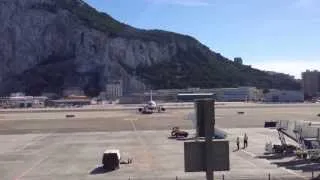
[238,143]
[245,140]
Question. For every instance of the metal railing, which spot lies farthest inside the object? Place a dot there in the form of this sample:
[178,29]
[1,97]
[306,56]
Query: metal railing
[314,175]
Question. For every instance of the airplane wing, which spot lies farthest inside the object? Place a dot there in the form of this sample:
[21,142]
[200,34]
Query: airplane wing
[217,131]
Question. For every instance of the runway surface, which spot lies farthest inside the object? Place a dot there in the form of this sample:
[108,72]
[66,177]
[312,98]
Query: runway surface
[47,145]
[101,121]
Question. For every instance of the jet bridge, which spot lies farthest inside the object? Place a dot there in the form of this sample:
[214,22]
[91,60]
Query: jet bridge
[299,130]
[306,134]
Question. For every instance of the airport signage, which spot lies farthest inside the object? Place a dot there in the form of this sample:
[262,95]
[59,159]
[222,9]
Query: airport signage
[195,158]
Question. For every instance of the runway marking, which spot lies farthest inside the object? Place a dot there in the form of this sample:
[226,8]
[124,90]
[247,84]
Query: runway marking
[33,141]
[143,144]
[294,173]
[42,159]
[37,163]
[130,119]
[249,162]
[31,168]
[134,127]
[249,153]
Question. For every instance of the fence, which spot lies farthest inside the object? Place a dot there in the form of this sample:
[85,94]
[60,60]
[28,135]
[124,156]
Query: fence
[314,175]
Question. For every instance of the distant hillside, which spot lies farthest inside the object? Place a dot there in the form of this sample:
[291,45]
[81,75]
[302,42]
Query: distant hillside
[193,69]
[54,44]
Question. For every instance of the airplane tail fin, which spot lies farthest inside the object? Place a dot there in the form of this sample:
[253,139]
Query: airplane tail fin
[151,95]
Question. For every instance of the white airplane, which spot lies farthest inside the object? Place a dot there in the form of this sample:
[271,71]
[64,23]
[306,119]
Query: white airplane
[218,132]
[151,107]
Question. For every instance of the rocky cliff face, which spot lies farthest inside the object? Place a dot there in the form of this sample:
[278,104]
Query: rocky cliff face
[48,45]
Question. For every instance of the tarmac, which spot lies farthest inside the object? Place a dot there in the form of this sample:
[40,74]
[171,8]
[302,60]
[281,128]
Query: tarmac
[47,145]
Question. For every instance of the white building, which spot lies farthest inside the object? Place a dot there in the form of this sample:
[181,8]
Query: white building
[239,94]
[114,89]
[27,101]
[275,95]
[17,94]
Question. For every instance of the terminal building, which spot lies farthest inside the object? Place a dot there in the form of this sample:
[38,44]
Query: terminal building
[68,102]
[190,97]
[71,100]
[275,95]
[190,94]
[239,94]
[20,100]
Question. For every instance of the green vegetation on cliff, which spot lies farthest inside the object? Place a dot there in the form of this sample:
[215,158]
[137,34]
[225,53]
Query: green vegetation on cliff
[194,69]
[105,23]
[91,17]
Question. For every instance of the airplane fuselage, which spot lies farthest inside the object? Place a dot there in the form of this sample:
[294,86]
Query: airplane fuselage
[151,106]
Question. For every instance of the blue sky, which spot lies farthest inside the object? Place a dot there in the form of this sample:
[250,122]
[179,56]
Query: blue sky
[277,35]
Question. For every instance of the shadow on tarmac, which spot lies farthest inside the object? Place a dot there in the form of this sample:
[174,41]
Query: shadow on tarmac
[303,165]
[100,170]
[293,164]
[275,156]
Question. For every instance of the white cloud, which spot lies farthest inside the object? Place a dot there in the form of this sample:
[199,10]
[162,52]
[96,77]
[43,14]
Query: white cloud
[191,3]
[292,67]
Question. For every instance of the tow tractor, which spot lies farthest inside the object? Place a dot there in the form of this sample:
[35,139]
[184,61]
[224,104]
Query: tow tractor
[177,133]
